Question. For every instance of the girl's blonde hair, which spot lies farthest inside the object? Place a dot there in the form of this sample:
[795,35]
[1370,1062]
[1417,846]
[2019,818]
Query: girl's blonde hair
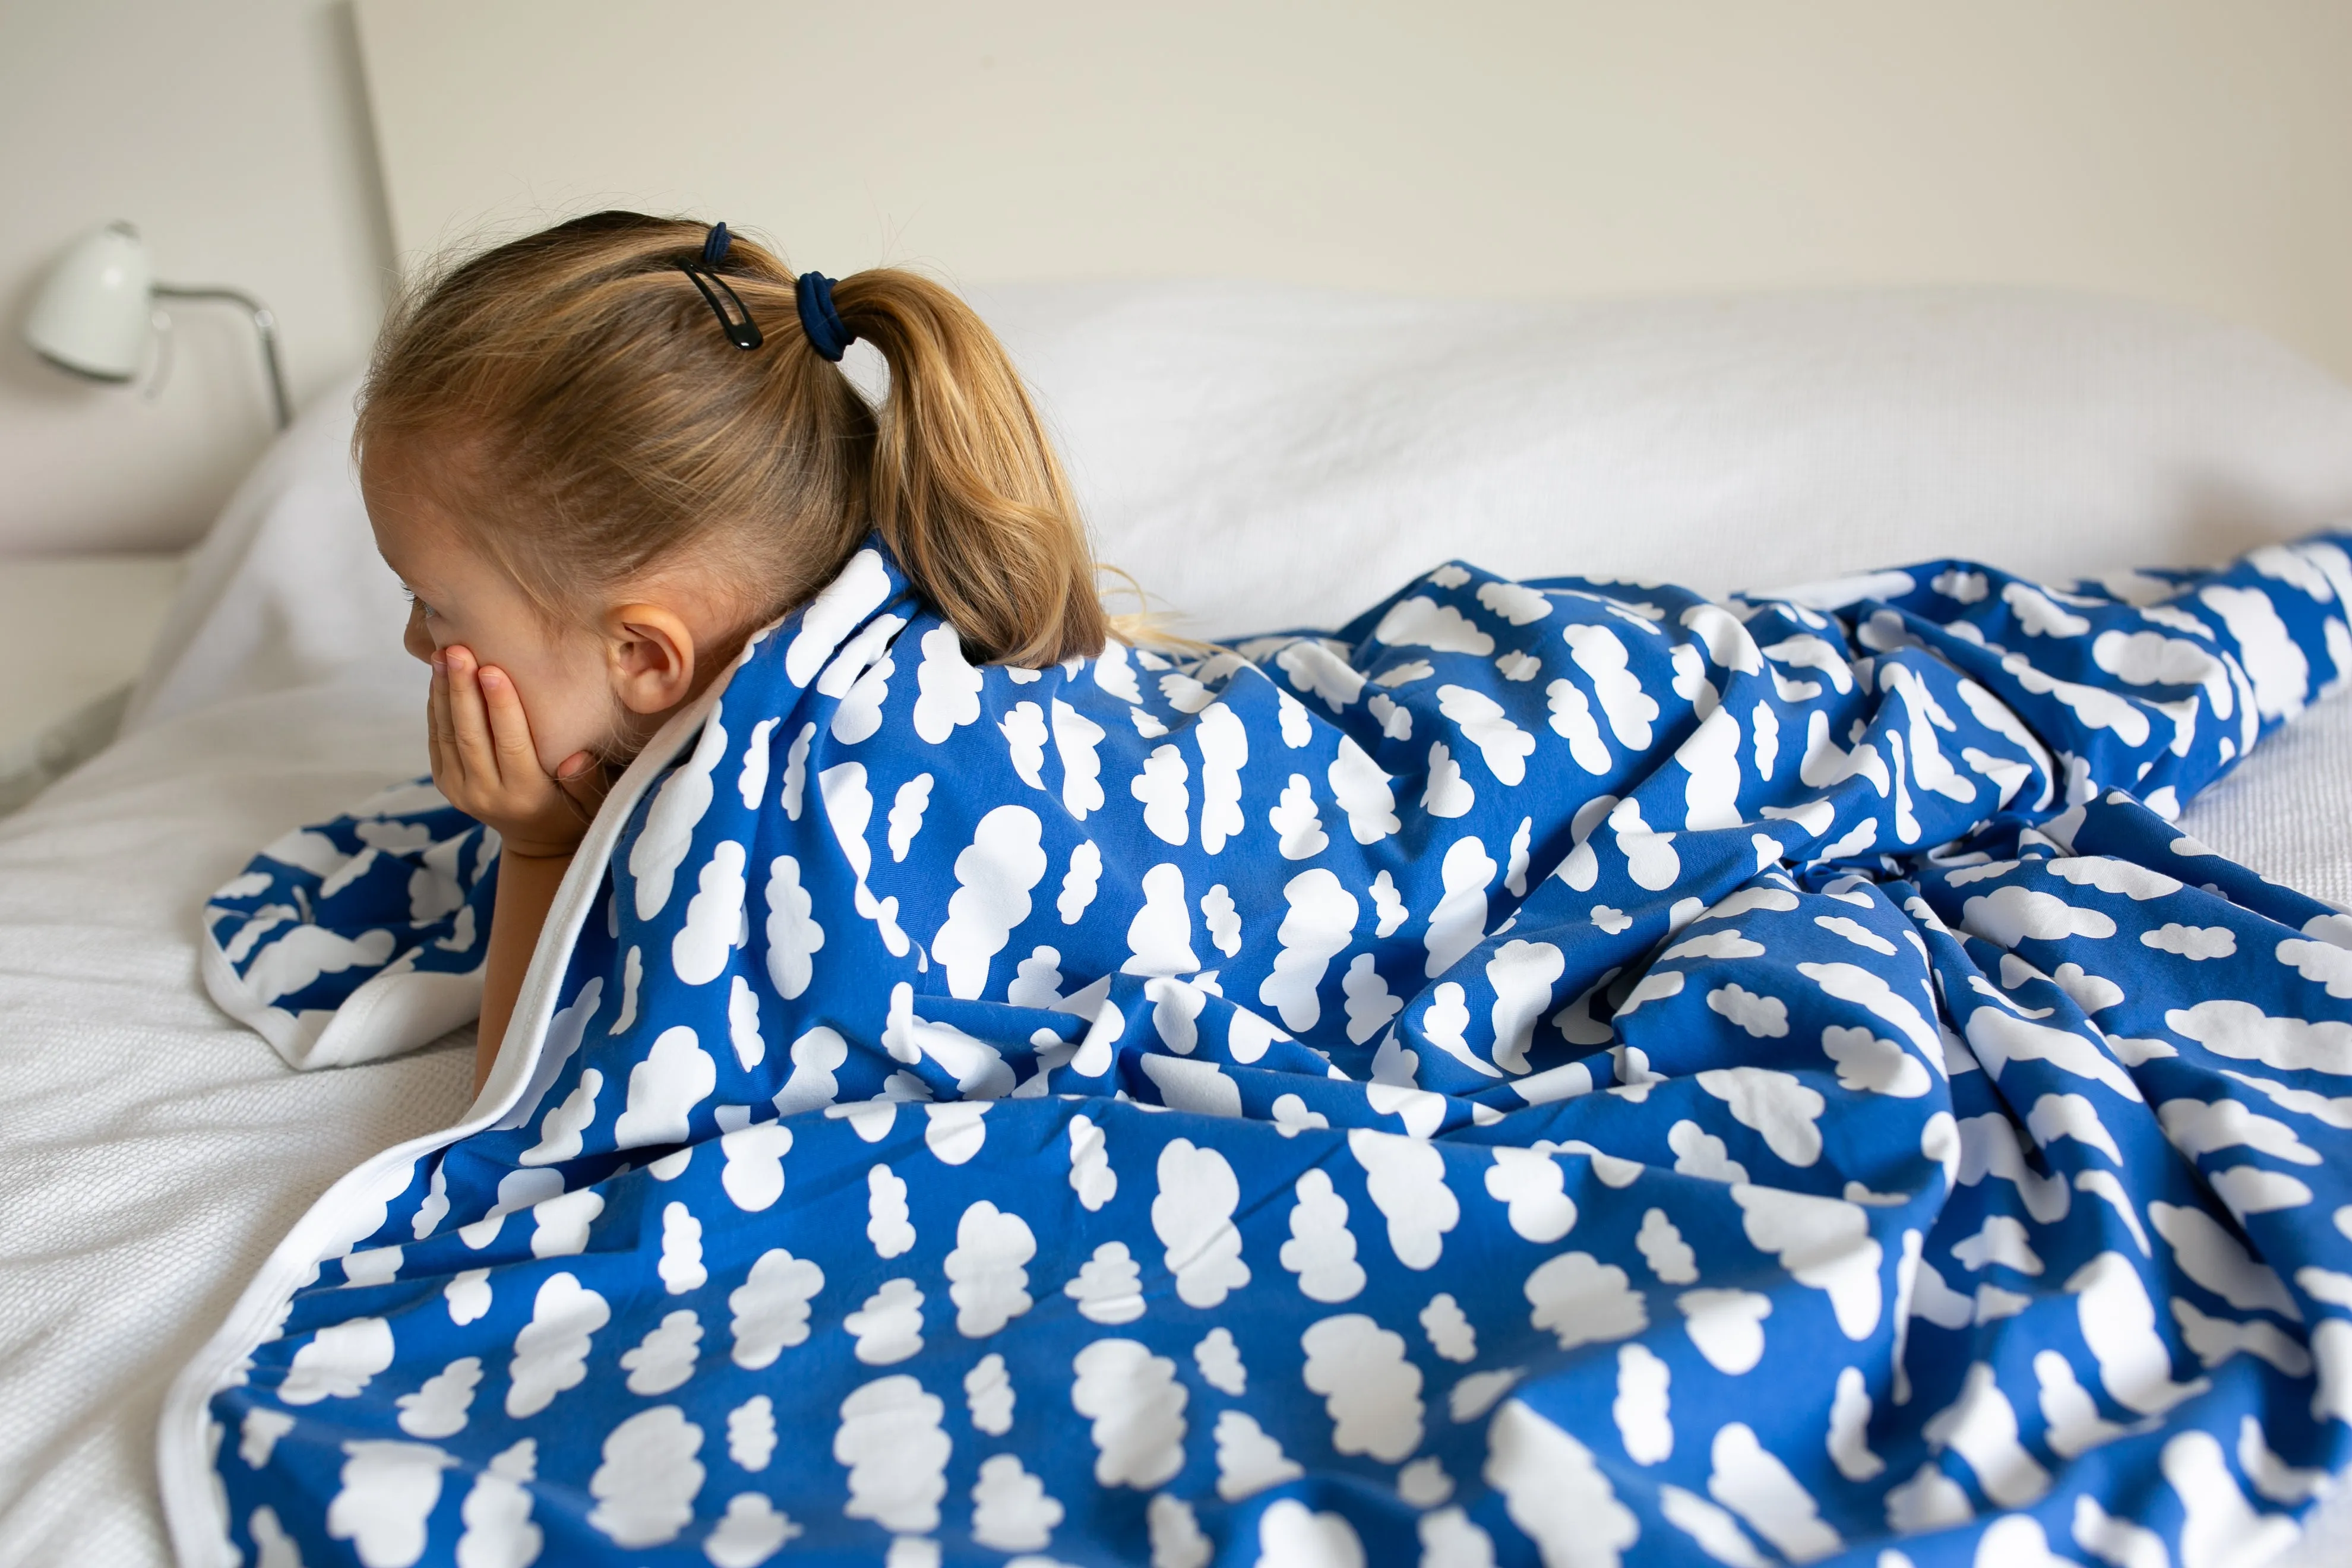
[606,425]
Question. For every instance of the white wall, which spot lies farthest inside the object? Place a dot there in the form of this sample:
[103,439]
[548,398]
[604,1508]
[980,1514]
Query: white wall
[2190,151]
[234,134]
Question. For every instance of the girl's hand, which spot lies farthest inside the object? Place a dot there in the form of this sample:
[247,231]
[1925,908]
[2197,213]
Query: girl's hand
[483,761]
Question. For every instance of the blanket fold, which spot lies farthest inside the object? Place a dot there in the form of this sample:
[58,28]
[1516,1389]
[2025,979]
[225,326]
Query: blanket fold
[1561,1071]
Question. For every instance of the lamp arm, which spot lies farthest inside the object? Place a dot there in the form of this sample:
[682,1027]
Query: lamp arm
[264,323]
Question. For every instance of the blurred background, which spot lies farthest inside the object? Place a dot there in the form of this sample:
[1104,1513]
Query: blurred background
[235,134]
[305,149]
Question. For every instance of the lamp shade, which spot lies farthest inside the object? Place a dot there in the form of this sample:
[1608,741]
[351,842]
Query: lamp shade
[93,315]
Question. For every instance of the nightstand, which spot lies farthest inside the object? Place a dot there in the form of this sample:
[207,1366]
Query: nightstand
[79,629]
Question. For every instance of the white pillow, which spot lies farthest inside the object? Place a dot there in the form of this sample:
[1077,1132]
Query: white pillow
[1263,457]
[287,588]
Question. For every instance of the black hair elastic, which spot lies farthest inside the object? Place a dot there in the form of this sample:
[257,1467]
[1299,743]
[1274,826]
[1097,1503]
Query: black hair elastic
[827,333]
[744,333]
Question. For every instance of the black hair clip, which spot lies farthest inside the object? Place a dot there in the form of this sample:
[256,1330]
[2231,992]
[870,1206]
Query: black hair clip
[740,329]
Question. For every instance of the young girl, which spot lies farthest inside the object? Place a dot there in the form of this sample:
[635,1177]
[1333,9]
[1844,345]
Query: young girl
[598,458]
[1497,1076]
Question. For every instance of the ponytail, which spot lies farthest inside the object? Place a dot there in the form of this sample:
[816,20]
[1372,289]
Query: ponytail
[964,486]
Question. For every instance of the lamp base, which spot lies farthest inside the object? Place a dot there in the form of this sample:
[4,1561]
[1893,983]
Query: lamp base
[108,376]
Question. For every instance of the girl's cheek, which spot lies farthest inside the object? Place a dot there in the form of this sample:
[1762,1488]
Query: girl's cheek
[562,722]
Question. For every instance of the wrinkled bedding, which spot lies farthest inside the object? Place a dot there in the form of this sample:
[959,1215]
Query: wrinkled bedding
[1561,1068]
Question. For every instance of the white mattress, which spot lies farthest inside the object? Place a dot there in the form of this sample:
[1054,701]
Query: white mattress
[153,1152]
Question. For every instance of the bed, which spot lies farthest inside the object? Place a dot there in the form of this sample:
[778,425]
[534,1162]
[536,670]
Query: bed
[154,1152]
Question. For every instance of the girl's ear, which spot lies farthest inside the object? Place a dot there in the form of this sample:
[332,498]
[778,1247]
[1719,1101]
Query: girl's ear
[650,653]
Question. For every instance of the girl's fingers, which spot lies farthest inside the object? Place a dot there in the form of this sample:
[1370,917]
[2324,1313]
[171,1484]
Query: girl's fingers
[510,725]
[484,764]
[436,703]
[469,726]
[436,719]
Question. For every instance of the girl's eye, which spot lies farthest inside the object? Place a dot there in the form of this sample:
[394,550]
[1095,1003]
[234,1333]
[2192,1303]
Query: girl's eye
[410,594]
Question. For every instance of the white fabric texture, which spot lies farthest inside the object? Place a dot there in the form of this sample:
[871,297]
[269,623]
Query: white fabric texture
[388,1016]
[286,588]
[1342,444]
[2287,810]
[154,1151]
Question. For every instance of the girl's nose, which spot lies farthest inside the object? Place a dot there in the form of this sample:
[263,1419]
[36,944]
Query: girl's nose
[416,639]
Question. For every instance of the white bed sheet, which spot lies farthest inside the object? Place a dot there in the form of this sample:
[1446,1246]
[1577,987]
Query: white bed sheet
[152,1151]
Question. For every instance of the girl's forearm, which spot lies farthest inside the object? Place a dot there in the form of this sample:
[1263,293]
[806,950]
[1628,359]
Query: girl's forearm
[527,885]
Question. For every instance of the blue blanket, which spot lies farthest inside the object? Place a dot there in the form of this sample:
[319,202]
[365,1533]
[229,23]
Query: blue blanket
[1560,1071]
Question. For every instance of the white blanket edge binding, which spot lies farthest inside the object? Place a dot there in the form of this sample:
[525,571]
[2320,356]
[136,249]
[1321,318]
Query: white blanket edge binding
[388,1015]
[192,1514]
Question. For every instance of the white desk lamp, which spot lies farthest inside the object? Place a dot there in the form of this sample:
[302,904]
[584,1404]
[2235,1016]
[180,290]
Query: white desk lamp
[96,312]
